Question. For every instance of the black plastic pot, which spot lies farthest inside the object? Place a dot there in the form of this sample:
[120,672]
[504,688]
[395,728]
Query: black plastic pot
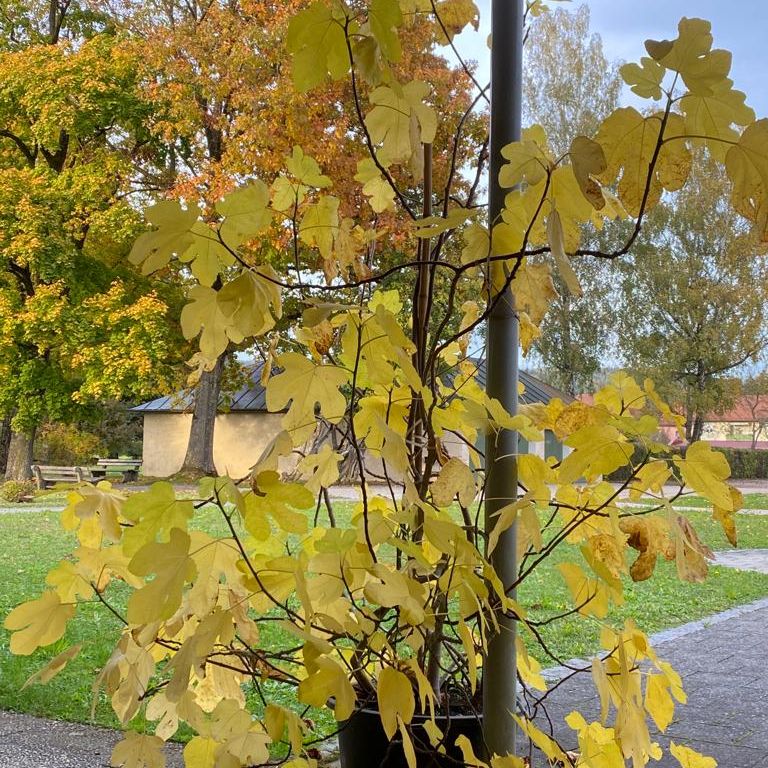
[363,743]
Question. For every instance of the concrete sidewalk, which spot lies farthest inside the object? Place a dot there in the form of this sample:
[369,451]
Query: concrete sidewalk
[723,661]
[33,742]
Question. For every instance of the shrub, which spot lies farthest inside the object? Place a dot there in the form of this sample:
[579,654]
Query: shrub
[17,490]
[746,463]
[67,444]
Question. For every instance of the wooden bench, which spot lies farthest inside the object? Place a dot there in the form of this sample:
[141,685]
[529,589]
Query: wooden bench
[46,476]
[128,468]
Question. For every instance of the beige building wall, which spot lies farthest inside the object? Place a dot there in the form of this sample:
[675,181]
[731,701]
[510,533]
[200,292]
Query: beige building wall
[239,440]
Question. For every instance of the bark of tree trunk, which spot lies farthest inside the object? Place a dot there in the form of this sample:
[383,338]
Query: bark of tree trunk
[20,456]
[5,442]
[199,458]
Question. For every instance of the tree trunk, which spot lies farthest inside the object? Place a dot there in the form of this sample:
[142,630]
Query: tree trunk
[20,456]
[199,458]
[5,442]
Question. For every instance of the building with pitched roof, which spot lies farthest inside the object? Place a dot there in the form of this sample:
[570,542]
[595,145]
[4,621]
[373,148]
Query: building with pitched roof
[244,427]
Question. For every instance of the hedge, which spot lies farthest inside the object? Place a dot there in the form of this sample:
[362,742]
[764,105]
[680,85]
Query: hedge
[745,463]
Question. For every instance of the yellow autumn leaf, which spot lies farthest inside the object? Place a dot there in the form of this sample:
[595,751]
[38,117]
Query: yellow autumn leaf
[396,699]
[455,480]
[200,752]
[658,701]
[557,247]
[589,596]
[588,161]
[37,623]
[53,667]
[705,471]
[138,751]
[644,78]
[689,758]
[159,599]
[328,680]
[171,235]
[304,385]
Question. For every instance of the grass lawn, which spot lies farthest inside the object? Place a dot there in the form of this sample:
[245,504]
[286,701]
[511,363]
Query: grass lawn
[32,542]
[751,501]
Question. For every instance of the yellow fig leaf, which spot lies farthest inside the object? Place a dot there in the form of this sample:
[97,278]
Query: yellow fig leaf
[588,161]
[246,213]
[589,596]
[527,160]
[691,554]
[455,479]
[644,78]
[401,120]
[650,537]
[705,471]
[200,752]
[557,246]
[546,744]
[629,141]
[376,188]
[321,468]
[328,680]
[138,750]
[53,667]
[171,563]
[318,43]
[306,170]
[154,513]
[455,15]
[69,582]
[396,699]
[37,623]
[534,290]
[713,115]
[320,225]
[692,56]
[171,235]
[747,166]
[689,758]
[726,517]
[658,701]
[206,254]
[304,385]
[529,668]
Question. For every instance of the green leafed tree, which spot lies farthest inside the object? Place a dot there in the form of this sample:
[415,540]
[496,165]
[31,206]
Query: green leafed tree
[693,297]
[78,322]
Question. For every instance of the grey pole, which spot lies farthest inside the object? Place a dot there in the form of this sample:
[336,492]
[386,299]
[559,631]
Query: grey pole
[500,667]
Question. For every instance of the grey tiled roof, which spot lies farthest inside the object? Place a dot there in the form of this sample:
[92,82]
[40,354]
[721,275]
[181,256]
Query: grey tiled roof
[252,397]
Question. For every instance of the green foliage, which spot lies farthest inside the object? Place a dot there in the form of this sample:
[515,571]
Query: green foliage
[17,490]
[747,464]
[66,445]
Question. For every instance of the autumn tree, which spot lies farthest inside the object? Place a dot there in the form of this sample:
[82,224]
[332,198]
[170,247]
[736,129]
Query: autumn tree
[569,87]
[693,301]
[218,107]
[70,121]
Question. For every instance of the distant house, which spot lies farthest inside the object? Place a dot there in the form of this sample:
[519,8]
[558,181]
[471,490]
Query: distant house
[740,426]
[244,428]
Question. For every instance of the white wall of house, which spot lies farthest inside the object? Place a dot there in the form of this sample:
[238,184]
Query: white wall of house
[239,440]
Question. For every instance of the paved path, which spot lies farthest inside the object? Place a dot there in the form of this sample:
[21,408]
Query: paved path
[31,742]
[724,665]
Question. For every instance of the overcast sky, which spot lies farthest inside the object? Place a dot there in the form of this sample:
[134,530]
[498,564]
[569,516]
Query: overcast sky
[738,25]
